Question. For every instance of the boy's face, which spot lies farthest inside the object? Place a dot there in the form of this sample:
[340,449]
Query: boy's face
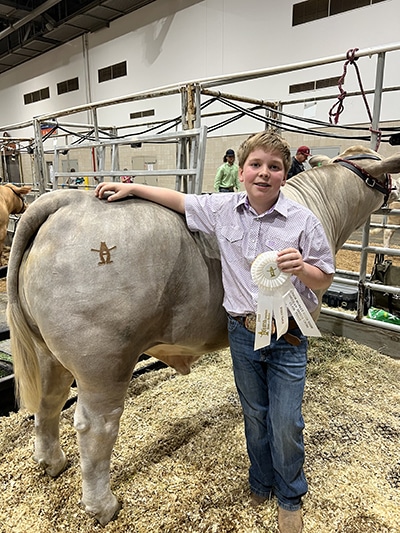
[262,174]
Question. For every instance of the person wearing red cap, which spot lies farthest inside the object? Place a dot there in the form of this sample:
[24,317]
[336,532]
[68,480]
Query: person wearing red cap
[297,161]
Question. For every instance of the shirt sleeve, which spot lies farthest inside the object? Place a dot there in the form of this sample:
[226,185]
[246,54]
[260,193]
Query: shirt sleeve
[316,250]
[218,178]
[200,212]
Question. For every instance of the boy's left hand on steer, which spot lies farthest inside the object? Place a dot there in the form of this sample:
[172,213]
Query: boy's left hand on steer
[290,261]
[119,190]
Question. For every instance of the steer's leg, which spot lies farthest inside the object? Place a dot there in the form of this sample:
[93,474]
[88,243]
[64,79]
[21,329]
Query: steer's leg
[97,416]
[56,383]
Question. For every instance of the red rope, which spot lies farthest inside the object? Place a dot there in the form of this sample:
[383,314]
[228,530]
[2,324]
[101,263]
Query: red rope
[338,107]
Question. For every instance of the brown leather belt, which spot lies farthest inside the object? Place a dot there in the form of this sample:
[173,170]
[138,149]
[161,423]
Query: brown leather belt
[249,322]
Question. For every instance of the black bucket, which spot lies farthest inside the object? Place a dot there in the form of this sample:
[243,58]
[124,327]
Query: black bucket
[8,402]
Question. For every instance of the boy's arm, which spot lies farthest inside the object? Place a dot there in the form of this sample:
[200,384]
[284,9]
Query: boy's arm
[314,278]
[167,197]
[291,262]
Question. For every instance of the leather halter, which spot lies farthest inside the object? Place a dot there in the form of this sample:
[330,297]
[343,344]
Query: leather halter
[369,180]
[20,197]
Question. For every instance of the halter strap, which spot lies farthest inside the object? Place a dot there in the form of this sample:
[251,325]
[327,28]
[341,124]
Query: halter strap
[370,181]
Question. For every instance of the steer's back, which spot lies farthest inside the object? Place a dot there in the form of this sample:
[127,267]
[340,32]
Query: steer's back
[111,280]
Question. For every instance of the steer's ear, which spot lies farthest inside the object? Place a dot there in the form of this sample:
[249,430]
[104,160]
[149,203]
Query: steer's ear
[389,165]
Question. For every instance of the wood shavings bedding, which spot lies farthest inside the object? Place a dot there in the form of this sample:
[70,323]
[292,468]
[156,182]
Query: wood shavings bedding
[180,462]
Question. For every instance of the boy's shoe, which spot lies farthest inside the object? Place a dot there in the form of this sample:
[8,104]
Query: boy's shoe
[290,521]
[256,499]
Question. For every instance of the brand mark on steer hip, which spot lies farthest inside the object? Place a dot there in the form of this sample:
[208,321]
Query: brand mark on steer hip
[105,256]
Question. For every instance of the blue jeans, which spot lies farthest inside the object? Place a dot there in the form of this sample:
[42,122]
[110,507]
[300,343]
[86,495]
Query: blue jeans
[270,383]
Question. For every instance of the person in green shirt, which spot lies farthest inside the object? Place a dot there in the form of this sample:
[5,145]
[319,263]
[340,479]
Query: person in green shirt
[226,179]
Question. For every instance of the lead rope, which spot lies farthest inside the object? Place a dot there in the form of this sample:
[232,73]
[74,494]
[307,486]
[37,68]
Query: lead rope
[338,107]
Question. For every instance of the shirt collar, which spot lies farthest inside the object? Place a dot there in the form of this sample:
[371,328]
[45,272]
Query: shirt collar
[281,205]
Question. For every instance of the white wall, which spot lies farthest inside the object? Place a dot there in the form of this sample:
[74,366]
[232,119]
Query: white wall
[175,41]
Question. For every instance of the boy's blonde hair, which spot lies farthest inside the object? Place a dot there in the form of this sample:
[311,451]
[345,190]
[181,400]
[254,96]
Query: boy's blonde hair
[269,141]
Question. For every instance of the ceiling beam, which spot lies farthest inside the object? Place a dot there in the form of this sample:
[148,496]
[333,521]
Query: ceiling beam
[32,15]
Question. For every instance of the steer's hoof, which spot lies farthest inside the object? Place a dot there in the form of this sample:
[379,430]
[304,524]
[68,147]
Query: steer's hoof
[106,514]
[54,469]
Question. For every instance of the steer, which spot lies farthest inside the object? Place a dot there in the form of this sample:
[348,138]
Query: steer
[12,202]
[93,284]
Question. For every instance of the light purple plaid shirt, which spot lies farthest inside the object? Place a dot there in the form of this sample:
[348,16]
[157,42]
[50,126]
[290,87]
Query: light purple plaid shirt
[242,235]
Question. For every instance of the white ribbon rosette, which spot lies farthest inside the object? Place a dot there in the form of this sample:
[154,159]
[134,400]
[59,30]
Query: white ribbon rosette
[276,295]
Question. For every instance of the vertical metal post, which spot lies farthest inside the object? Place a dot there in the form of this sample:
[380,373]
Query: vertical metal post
[191,115]
[99,149]
[380,67]
[178,179]
[20,168]
[196,146]
[41,173]
[190,107]
[197,106]
[278,116]
[201,153]
[181,181]
[56,167]
[4,162]
[85,42]
[114,153]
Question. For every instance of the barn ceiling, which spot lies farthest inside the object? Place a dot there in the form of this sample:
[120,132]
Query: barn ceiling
[29,28]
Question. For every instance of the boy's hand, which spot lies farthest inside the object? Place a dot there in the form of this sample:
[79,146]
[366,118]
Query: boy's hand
[120,190]
[290,261]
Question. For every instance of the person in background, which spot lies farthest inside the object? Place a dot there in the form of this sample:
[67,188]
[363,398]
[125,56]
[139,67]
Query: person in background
[127,179]
[226,179]
[270,380]
[70,182]
[10,149]
[302,154]
[10,155]
[73,181]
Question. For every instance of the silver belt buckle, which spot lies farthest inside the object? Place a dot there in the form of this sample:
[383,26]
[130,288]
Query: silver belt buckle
[250,322]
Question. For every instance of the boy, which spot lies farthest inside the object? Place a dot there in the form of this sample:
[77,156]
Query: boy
[270,381]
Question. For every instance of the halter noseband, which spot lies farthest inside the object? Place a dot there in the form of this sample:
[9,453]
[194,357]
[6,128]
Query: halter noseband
[369,180]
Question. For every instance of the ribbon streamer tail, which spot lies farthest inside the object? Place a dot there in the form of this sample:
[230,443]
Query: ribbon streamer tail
[264,321]
[301,314]
[280,314]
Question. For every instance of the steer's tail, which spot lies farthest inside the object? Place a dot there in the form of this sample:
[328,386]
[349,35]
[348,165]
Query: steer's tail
[25,337]
[26,366]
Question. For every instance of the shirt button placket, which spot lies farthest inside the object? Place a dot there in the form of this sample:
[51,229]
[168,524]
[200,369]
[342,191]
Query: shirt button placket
[253,238]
